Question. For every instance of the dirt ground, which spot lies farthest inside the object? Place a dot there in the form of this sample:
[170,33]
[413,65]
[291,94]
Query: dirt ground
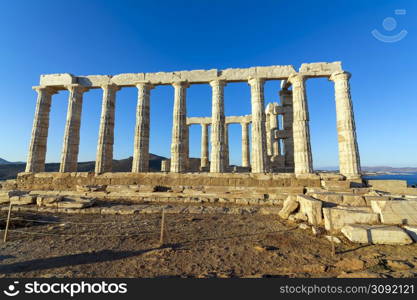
[201,246]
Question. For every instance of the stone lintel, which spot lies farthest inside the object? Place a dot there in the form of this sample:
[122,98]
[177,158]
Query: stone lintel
[193,76]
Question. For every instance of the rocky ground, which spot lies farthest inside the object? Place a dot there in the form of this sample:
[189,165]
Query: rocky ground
[196,245]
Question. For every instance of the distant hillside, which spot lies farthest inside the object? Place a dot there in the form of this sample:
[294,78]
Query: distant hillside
[5,162]
[10,170]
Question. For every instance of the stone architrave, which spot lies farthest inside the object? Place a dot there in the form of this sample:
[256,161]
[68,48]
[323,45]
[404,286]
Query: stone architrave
[204,146]
[217,161]
[179,130]
[38,142]
[303,162]
[245,145]
[104,157]
[140,161]
[349,162]
[70,148]
[258,155]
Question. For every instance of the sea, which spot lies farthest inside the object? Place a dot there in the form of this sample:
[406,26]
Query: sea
[410,177]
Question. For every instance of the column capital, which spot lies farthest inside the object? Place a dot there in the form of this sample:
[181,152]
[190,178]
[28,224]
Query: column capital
[296,78]
[110,86]
[184,84]
[146,84]
[218,82]
[255,80]
[48,89]
[75,86]
[342,75]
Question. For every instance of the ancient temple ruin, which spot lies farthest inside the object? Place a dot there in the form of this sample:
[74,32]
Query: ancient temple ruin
[275,148]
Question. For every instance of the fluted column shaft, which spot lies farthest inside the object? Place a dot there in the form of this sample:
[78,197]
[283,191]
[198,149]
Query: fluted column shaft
[287,122]
[104,156]
[303,162]
[70,148]
[349,161]
[140,161]
[204,146]
[217,163]
[38,142]
[245,145]
[179,130]
[273,127]
[226,146]
[258,155]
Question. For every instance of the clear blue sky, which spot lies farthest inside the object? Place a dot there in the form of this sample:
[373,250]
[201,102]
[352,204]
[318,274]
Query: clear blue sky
[110,37]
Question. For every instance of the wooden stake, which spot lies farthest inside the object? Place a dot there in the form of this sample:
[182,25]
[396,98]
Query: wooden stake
[7,223]
[331,231]
[161,238]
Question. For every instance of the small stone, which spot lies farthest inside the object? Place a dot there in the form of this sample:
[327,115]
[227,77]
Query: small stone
[303,226]
[334,238]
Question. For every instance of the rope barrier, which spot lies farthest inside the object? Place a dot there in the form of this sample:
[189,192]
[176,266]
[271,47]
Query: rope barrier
[77,235]
[77,223]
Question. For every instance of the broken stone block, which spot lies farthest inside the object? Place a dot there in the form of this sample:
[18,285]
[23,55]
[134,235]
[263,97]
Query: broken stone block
[290,205]
[412,232]
[376,234]
[335,185]
[311,208]
[75,202]
[337,217]
[353,200]
[47,200]
[22,200]
[396,211]
[384,184]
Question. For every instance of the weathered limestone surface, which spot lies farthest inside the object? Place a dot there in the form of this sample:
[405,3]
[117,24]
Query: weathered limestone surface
[290,205]
[217,162]
[312,208]
[258,154]
[337,217]
[376,234]
[412,232]
[140,161]
[303,162]
[179,129]
[69,156]
[37,148]
[104,157]
[245,145]
[267,134]
[396,211]
[348,147]
[70,181]
[204,146]
[383,184]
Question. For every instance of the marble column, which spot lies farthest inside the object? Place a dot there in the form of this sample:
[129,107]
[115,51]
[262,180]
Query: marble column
[259,162]
[179,130]
[226,146]
[217,161]
[287,120]
[349,161]
[104,156]
[204,146]
[187,148]
[70,147]
[245,145]
[140,161]
[37,149]
[303,162]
